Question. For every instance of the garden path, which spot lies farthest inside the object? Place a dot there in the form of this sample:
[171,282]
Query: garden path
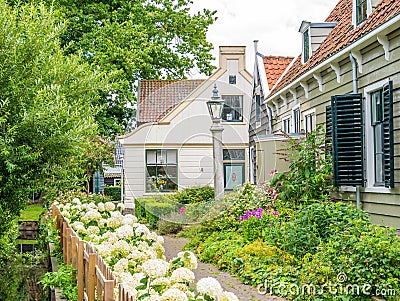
[244,292]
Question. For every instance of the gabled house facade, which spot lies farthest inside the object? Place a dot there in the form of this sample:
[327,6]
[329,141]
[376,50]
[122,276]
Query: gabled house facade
[172,147]
[348,78]
[267,71]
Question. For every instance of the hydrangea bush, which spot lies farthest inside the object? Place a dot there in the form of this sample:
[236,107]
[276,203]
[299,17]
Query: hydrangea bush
[136,255]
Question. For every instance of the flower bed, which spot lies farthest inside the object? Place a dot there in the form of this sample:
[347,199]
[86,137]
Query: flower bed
[136,255]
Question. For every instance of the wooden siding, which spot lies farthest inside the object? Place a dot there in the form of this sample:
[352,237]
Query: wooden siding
[384,208]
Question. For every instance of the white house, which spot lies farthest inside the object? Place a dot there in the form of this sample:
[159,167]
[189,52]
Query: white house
[172,147]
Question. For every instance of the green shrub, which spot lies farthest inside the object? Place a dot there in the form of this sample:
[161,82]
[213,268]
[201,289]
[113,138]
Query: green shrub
[310,171]
[312,225]
[195,194]
[114,192]
[151,209]
[167,227]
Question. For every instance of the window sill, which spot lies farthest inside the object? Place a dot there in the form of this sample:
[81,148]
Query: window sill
[366,189]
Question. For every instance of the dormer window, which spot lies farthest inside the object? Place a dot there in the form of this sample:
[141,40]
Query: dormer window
[313,35]
[306,49]
[306,46]
[361,11]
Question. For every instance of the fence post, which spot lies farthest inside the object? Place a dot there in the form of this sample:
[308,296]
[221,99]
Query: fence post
[80,270]
[91,277]
[64,240]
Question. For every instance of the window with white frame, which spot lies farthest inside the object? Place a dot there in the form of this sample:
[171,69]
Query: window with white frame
[233,108]
[361,10]
[296,119]
[306,46]
[161,170]
[309,120]
[286,124]
[379,134]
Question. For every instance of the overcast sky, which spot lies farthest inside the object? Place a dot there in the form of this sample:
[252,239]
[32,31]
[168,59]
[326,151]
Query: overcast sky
[275,23]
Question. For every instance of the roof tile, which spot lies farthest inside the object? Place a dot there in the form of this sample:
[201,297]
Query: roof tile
[274,67]
[158,97]
[341,36]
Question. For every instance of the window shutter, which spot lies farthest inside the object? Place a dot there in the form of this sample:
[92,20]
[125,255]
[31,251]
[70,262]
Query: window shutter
[388,139]
[347,140]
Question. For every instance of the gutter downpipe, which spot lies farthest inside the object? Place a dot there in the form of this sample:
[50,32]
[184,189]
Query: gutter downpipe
[355,91]
[269,112]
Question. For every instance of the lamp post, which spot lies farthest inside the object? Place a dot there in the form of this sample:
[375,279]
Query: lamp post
[215,106]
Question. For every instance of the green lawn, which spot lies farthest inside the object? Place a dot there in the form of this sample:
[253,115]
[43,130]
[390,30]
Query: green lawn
[31,213]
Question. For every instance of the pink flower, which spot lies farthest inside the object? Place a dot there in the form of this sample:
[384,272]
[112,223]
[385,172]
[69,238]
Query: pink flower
[273,172]
[182,210]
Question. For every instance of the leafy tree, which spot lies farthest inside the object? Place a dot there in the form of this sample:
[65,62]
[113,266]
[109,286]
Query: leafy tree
[132,40]
[46,108]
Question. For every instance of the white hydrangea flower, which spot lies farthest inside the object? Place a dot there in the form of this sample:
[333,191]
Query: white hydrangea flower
[102,223]
[209,286]
[174,294]
[110,237]
[165,281]
[104,249]
[91,215]
[77,224]
[121,206]
[122,265]
[131,216]
[155,268]
[66,214]
[121,248]
[114,222]
[109,206]
[182,275]
[101,207]
[142,229]
[124,232]
[136,278]
[92,205]
[228,296]
[129,219]
[76,201]
[189,259]
[93,230]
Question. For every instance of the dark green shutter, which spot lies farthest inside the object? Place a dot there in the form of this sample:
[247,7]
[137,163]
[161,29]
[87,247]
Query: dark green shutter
[347,140]
[388,139]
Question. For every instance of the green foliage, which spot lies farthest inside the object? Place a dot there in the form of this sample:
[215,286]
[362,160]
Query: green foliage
[312,226]
[46,108]
[133,40]
[226,215]
[151,209]
[195,194]
[310,171]
[167,227]
[19,271]
[62,279]
[311,245]
[114,192]
[31,213]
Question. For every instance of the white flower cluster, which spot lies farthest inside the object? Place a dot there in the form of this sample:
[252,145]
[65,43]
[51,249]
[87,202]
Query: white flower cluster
[136,255]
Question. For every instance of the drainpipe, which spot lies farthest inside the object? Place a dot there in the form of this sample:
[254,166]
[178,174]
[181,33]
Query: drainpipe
[269,112]
[355,91]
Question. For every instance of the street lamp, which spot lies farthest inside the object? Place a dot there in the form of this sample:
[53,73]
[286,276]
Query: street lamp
[215,106]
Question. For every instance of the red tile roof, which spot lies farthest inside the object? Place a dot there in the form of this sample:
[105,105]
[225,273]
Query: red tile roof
[341,36]
[158,97]
[274,67]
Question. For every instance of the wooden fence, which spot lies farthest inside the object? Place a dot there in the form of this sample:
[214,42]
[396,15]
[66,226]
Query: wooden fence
[95,279]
